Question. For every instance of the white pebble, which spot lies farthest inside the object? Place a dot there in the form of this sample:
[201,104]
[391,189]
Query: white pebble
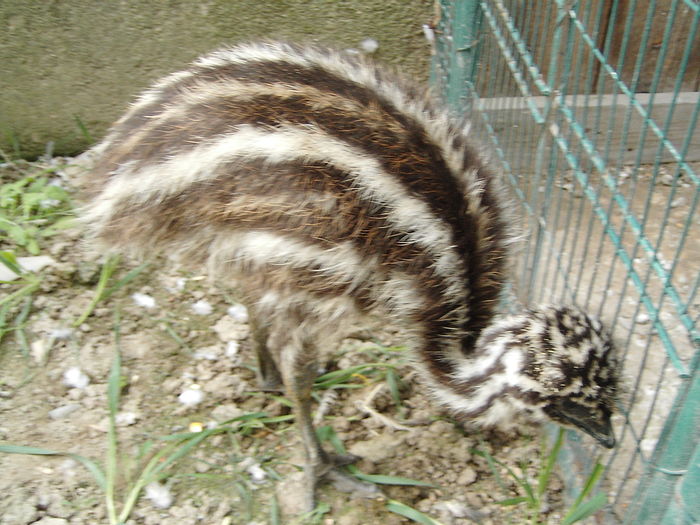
[202,307]
[143,300]
[239,313]
[36,263]
[457,509]
[428,33]
[39,349]
[63,411]
[159,495]
[369,45]
[191,396]
[647,445]
[125,419]
[74,377]
[232,349]
[206,353]
[642,319]
[61,333]
[257,474]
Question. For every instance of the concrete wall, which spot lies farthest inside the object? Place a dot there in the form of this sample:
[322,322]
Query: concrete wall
[86,59]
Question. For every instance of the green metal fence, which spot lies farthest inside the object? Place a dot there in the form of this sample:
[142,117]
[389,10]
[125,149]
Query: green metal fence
[591,109]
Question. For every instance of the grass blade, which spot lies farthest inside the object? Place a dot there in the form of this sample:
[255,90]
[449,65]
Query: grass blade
[107,270]
[585,510]
[590,483]
[492,462]
[113,394]
[275,512]
[409,512]
[130,276]
[380,479]
[512,501]
[337,377]
[83,129]
[546,472]
[8,259]
[89,464]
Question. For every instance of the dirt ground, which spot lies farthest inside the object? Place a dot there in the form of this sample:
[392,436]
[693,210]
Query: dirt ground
[178,334]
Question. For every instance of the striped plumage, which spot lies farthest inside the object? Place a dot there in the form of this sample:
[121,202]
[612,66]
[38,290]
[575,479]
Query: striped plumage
[324,187]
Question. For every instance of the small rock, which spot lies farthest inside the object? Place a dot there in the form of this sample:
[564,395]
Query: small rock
[39,350]
[30,264]
[159,495]
[680,201]
[291,494]
[191,396]
[369,45]
[467,476]
[202,467]
[226,412]
[51,521]
[642,319]
[61,333]
[171,384]
[137,345]
[63,411]
[238,312]
[143,300]
[221,383]
[232,349]
[124,419]
[252,467]
[378,448]
[228,329]
[458,509]
[666,179]
[74,377]
[202,307]
[208,353]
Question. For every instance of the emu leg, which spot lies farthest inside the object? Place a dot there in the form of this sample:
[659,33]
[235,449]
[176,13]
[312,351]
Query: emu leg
[299,372]
[269,377]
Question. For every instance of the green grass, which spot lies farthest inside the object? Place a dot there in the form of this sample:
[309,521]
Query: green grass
[32,207]
[32,210]
[16,305]
[533,497]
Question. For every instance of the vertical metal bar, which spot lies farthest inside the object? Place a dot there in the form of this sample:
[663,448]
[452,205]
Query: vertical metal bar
[463,59]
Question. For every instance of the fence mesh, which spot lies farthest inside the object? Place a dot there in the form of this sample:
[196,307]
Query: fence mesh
[591,108]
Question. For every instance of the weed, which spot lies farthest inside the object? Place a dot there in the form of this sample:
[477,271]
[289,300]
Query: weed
[83,130]
[19,299]
[32,208]
[533,497]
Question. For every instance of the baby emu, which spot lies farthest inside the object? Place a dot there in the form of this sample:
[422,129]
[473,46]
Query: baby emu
[324,187]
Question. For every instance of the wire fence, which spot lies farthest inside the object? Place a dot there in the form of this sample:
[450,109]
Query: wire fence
[591,109]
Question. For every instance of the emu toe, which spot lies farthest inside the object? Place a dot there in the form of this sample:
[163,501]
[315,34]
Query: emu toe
[331,470]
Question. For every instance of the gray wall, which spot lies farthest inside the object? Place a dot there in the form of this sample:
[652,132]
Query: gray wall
[70,59]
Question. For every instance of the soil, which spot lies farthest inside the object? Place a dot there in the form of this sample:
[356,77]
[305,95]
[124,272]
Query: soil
[235,477]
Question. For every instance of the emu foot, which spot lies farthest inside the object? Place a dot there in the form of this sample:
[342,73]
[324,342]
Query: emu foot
[330,470]
[270,385]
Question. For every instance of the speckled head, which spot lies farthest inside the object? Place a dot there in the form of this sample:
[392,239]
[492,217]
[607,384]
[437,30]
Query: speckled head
[573,362]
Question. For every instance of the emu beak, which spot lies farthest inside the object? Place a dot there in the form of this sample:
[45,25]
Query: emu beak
[580,417]
[602,433]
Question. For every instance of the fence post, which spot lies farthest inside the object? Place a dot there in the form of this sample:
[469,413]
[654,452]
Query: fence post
[458,75]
